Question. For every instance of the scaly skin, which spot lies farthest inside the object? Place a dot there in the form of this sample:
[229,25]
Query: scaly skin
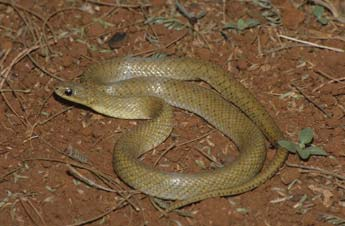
[108,88]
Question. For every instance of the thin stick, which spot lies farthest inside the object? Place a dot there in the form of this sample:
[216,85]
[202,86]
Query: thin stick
[4,57]
[2,178]
[25,9]
[164,47]
[181,144]
[28,212]
[54,116]
[118,5]
[50,16]
[14,111]
[196,139]
[36,211]
[5,72]
[210,157]
[323,171]
[119,205]
[324,74]
[44,70]
[331,79]
[94,171]
[312,44]
[164,153]
[311,101]
[86,180]
[39,123]
[15,90]
[283,47]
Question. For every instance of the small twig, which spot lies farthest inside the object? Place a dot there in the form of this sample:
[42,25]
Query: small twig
[2,178]
[209,157]
[40,123]
[324,74]
[54,116]
[36,211]
[163,153]
[119,205]
[150,51]
[50,16]
[331,79]
[118,5]
[51,146]
[283,47]
[16,90]
[44,70]
[93,171]
[311,101]
[196,139]
[28,212]
[14,111]
[5,72]
[4,57]
[88,181]
[181,144]
[323,171]
[312,44]
[11,3]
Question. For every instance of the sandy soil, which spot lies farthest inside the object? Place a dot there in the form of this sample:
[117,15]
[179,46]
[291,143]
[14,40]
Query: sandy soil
[44,140]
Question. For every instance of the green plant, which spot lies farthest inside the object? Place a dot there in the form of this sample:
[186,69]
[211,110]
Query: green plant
[304,148]
[318,12]
[242,24]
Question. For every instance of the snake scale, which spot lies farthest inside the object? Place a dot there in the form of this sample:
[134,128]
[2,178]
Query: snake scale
[146,88]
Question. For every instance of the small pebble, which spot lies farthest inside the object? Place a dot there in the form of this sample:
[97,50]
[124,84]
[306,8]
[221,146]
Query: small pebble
[116,41]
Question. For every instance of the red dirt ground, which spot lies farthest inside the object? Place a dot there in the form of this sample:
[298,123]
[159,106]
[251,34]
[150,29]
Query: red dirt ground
[292,80]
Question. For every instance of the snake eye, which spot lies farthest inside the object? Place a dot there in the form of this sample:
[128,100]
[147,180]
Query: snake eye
[68,92]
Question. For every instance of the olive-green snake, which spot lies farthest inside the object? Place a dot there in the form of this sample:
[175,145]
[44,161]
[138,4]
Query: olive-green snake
[144,88]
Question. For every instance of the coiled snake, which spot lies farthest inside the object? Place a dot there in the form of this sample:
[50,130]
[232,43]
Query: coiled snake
[144,88]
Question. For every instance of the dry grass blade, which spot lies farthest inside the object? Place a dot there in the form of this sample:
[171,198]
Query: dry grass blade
[5,72]
[312,44]
[118,5]
[41,221]
[88,181]
[311,101]
[2,178]
[323,171]
[96,172]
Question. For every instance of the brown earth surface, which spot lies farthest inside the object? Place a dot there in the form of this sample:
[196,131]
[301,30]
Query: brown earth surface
[45,140]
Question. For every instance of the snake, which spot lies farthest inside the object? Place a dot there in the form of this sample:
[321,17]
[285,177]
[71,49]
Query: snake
[148,89]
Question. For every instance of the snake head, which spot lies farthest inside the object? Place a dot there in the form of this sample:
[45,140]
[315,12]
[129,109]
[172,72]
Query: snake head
[74,92]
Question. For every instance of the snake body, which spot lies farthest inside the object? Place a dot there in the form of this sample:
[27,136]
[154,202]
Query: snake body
[144,88]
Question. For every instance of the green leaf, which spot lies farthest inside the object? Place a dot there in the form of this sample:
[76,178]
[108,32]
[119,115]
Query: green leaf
[314,150]
[322,20]
[303,154]
[252,23]
[230,26]
[318,13]
[290,146]
[306,136]
[241,24]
